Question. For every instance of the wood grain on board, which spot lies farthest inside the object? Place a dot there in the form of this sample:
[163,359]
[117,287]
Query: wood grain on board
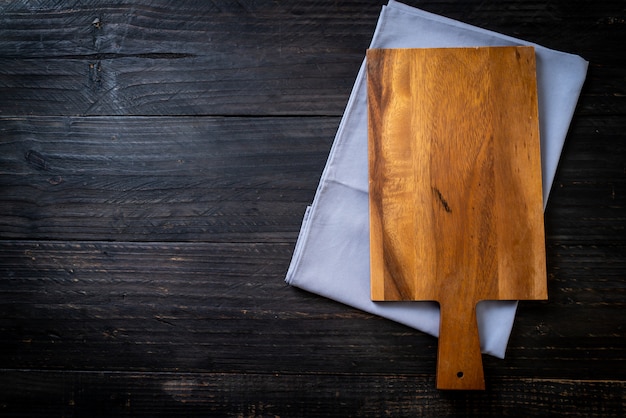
[455,188]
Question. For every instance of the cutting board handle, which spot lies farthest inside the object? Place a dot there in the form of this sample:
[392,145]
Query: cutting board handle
[459,366]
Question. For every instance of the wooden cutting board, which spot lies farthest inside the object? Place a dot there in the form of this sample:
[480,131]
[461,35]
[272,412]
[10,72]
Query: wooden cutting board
[456,212]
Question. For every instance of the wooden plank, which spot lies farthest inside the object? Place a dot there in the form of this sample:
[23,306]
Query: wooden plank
[159,179]
[179,306]
[95,169]
[455,188]
[187,27]
[264,58]
[191,58]
[62,393]
[222,307]
[217,84]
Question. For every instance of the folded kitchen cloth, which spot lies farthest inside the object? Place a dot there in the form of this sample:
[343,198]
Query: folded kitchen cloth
[331,257]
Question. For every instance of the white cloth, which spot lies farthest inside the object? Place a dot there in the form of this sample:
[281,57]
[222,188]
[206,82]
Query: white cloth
[331,257]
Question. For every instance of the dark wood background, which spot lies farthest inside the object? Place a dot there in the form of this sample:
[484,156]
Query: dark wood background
[156,158]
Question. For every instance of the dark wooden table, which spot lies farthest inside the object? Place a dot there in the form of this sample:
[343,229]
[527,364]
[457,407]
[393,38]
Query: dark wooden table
[156,158]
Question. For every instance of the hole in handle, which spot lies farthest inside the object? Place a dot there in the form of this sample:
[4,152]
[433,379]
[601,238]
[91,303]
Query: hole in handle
[459,375]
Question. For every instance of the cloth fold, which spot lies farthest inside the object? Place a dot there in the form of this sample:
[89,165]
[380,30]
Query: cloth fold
[331,257]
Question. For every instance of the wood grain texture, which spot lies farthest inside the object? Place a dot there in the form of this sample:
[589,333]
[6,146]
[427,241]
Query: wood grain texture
[262,58]
[252,395]
[116,58]
[159,179]
[455,188]
[187,306]
[119,298]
